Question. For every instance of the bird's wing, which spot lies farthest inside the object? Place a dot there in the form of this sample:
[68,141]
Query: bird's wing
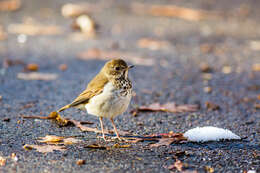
[94,88]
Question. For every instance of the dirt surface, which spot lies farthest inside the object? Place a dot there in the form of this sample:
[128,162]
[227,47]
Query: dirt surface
[229,44]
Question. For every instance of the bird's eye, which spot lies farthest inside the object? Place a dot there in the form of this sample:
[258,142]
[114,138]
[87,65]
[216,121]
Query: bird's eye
[117,68]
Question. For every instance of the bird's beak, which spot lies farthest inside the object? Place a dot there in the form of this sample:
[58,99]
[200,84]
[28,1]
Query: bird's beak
[130,66]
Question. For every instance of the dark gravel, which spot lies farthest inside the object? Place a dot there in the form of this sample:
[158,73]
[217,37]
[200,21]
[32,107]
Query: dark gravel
[175,76]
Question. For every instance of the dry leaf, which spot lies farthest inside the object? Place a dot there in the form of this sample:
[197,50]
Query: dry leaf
[10,5]
[255,45]
[3,35]
[34,29]
[2,161]
[206,48]
[75,10]
[63,67]
[168,138]
[205,68]
[44,148]
[32,67]
[256,67]
[177,165]
[153,44]
[37,76]
[9,62]
[257,106]
[207,89]
[172,11]
[169,107]
[209,169]
[14,157]
[212,106]
[80,162]
[52,139]
[226,69]
[120,146]
[96,146]
[106,55]
[258,97]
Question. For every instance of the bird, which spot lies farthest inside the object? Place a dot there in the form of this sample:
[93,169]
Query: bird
[107,95]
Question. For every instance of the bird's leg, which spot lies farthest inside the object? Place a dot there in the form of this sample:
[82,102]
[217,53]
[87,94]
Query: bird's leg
[115,129]
[102,128]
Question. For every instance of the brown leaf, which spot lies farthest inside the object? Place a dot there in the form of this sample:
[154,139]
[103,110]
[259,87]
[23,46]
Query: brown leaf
[52,139]
[205,68]
[120,146]
[75,10]
[177,165]
[44,148]
[106,55]
[2,161]
[10,5]
[80,162]
[258,97]
[37,76]
[209,169]
[153,44]
[34,29]
[96,146]
[257,106]
[168,107]
[172,11]
[256,67]
[3,35]
[63,67]
[168,138]
[212,106]
[9,62]
[32,67]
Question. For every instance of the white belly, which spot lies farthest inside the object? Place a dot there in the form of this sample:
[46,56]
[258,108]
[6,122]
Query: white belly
[109,103]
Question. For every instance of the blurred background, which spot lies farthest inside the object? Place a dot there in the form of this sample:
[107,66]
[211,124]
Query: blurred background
[203,52]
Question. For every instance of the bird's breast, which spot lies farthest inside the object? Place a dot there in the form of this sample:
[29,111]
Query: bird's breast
[111,102]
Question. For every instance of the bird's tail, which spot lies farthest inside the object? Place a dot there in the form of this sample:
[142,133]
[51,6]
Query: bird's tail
[64,107]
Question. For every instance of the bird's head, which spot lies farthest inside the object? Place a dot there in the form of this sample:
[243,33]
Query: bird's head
[116,68]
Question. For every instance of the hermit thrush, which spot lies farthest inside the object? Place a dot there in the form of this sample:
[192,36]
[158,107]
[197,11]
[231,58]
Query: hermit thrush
[108,94]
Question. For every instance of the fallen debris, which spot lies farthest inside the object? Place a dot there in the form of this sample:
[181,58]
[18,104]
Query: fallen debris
[212,106]
[209,169]
[86,25]
[44,148]
[177,165]
[227,69]
[75,10]
[256,67]
[34,29]
[37,76]
[63,67]
[80,162]
[3,35]
[209,133]
[96,146]
[257,106]
[153,44]
[10,5]
[173,11]
[2,161]
[64,122]
[168,138]
[205,68]
[52,139]
[32,67]
[167,107]
[207,89]
[105,55]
